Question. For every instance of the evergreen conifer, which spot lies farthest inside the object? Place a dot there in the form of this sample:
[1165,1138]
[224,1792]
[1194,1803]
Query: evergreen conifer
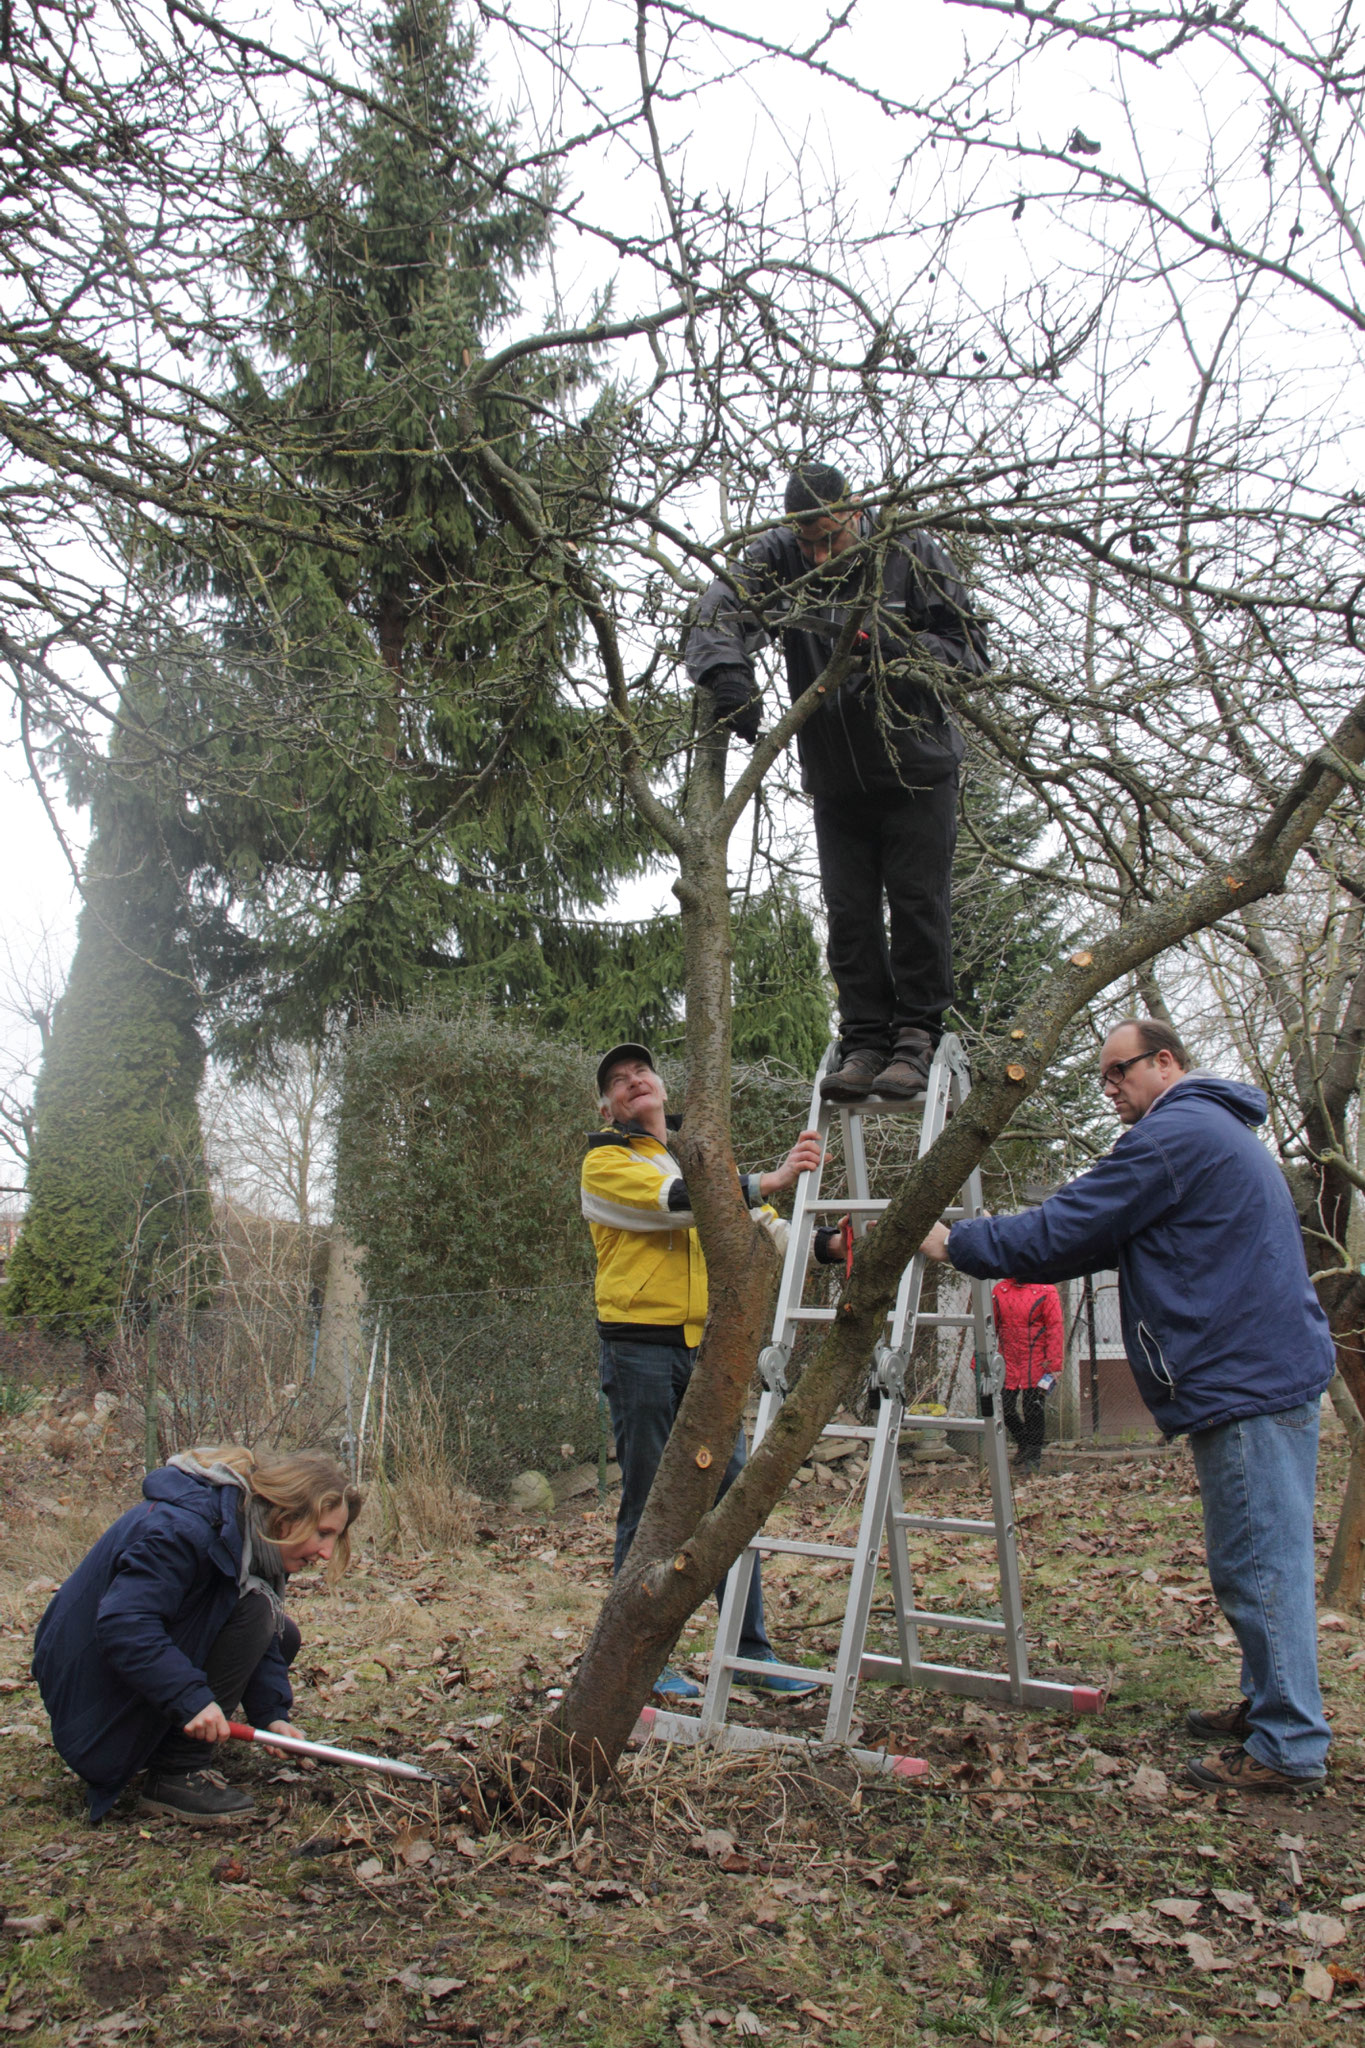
[118,1206]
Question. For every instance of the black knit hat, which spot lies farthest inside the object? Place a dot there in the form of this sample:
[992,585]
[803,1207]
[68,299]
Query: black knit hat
[812,488]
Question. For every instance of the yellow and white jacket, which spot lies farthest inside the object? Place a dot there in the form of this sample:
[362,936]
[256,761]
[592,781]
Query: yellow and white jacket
[650,1269]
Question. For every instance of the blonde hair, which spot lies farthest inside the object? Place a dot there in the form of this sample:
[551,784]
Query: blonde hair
[300,1487]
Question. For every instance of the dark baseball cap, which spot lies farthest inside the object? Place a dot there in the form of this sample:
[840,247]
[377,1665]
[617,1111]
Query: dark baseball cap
[622,1052]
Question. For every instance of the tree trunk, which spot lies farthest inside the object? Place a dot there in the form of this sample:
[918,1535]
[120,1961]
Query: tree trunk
[1343,1582]
[340,1336]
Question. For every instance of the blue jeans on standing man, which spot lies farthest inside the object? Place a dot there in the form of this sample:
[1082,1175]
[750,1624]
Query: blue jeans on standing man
[1258,1482]
[644,1384]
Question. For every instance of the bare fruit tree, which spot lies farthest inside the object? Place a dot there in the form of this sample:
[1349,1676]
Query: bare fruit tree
[1162,533]
[1127,424]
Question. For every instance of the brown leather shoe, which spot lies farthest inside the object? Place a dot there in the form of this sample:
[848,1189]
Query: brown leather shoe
[1237,1770]
[1226,1724]
[906,1078]
[852,1079]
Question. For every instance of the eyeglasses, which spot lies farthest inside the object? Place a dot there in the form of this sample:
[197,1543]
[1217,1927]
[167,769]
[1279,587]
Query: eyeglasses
[1116,1069]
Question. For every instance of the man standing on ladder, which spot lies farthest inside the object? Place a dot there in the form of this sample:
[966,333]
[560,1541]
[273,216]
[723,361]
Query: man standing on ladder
[1228,1345]
[1032,1340]
[651,1299]
[880,759]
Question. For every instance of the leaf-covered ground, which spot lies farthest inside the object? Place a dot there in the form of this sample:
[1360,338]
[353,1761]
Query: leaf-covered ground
[1049,1881]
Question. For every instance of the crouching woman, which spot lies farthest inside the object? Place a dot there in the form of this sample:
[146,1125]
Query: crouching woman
[176,1617]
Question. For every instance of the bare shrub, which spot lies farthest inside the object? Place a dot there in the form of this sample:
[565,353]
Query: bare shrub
[418,1484]
[231,1362]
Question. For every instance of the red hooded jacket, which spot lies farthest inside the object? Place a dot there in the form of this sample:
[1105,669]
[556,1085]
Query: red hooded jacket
[1028,1328]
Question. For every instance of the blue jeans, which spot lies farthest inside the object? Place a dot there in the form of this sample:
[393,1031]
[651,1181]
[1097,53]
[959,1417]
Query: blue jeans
[1257,1479]
[644,1385]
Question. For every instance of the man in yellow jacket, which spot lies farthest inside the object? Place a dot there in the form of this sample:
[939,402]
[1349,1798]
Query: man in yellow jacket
[651,1297]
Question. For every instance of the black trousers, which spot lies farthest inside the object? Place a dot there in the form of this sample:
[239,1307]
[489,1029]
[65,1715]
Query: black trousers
[898,845]
[237,1649]
[1026,1429]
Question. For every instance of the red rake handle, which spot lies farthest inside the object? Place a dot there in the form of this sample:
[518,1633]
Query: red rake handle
[294,1745]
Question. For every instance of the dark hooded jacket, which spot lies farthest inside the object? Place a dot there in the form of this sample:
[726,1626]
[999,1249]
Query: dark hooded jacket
[119,1654]
[885,728]
[1220,1320]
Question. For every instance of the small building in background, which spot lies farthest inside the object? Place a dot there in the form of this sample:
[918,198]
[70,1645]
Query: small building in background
[1098,1396]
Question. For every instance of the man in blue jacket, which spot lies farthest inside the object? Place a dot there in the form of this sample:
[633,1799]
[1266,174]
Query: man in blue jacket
[1228,1345]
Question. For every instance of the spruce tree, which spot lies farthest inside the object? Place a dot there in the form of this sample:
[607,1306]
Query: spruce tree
[435,816]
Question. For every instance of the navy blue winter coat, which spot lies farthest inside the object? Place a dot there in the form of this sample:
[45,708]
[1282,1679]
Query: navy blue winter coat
[1219,1315]
[119,1654]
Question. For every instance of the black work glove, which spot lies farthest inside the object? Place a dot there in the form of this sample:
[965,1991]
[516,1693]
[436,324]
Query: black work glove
[737,702]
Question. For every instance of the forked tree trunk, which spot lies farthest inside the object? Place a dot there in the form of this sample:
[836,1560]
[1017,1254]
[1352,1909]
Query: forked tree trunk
[686,1539]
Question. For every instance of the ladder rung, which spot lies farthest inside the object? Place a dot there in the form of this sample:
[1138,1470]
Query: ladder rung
[880,1104]
[970,1623]
[951,1525]
[931,1320]
[846,1206]
[847,1429]
[770,1670]
[790,1546]
[813,1315]
[955,1423]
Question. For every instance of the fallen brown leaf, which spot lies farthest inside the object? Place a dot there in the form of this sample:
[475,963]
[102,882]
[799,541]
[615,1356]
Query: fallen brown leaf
[1149,1785]
[1200,1951]
[1324,1929]
[1186,1911]
[1317,1982]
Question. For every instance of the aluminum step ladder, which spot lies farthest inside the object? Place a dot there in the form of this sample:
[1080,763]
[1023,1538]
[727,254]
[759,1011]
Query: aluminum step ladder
[884,1520]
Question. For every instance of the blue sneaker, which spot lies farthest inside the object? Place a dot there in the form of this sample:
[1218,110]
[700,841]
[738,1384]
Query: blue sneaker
[671,1685]
[790,1688]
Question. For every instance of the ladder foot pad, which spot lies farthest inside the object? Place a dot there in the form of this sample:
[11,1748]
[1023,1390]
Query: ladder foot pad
[657,1725]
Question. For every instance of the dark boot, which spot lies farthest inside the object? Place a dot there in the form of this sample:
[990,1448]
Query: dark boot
[906,1079]
[202,1796]
[851,1080]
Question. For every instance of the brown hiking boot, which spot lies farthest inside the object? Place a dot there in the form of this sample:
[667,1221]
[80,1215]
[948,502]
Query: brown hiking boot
[906,1078]
[1237,1770]
[851,1080]
[1227,1724]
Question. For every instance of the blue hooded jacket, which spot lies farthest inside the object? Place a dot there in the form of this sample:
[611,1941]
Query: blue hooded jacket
[119,1654]
[1220,1319]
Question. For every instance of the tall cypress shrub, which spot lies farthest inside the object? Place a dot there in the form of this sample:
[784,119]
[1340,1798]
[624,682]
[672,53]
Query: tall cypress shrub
[117,1199]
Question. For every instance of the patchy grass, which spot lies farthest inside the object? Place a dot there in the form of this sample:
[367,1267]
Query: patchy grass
[1050,1881]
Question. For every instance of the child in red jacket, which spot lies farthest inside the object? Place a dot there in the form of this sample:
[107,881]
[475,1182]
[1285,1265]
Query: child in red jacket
[1029,1331]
